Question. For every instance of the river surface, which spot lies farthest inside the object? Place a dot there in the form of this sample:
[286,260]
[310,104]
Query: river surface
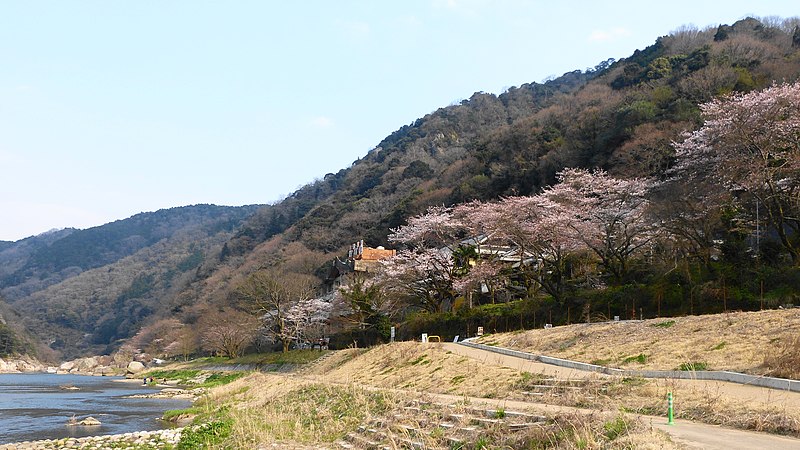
[34,407]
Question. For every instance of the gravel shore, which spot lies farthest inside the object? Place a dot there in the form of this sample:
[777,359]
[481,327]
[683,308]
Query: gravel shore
[147,439]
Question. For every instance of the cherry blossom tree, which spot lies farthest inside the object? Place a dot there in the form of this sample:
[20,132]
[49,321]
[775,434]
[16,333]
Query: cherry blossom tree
[424,271]
[609,215]
[550,234]
[750,143]
[537,227]
[156,337]
[554,245]
[484,272]
[534,228]
[424,276]
[185,343]
[306,319]
[437,227]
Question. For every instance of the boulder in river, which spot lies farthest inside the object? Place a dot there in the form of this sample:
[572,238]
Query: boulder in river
[89,421]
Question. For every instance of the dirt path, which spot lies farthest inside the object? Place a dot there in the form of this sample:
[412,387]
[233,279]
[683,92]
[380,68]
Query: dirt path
[691,434]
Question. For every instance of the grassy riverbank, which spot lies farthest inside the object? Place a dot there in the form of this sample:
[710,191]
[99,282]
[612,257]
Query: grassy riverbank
[759,343]
[410,394]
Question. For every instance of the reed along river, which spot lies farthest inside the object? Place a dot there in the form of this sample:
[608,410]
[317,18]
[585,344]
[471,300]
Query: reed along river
[33,406]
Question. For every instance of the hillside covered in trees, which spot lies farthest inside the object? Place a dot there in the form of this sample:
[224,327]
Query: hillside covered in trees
[82,290]
[490,158]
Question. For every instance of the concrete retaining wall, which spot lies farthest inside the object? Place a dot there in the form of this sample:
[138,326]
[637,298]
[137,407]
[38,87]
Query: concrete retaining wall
[716,375]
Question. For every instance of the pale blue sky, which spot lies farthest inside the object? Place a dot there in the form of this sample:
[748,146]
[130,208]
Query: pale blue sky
[109,108]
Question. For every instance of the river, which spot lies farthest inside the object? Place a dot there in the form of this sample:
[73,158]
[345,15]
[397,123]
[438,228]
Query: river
[34,407]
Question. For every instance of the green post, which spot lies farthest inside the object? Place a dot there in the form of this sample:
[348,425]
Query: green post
[670,421]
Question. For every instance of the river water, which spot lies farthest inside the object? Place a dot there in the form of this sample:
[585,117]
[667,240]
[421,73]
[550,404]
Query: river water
[34,407]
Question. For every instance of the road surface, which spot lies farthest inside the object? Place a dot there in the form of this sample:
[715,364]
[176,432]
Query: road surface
[692,434]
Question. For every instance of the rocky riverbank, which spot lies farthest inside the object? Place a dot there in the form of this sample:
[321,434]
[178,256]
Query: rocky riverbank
[103,366]
[186,394]
[141,439]
[92,365]
[22,364]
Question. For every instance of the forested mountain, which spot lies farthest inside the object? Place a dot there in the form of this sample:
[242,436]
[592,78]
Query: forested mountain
[80,290]
[621,116]
[14,339]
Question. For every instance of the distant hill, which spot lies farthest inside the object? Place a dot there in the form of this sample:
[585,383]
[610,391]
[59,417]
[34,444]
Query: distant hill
[76,287]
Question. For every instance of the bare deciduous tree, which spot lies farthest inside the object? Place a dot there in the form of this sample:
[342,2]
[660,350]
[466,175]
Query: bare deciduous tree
[271,294]
[227,332]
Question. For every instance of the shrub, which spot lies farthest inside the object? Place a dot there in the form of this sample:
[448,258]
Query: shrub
[692,366]
[206,435]
[641,358]
[615,428]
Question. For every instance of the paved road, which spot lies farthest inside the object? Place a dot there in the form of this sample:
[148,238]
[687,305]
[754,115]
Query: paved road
[691,434]
[756,394]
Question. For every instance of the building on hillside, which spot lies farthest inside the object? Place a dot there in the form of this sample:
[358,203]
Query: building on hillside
[359,259]
[469,251]
[365,259]
[507,254]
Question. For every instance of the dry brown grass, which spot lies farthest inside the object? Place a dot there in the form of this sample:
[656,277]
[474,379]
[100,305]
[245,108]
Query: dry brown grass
[270,410]
[420,367]
[784,360]
[735,341]
[429,368]
[295,412]
[706,403]
[373,388]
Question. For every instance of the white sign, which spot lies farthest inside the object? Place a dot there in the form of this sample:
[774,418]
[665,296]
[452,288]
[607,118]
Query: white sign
[480,331]
[424,337]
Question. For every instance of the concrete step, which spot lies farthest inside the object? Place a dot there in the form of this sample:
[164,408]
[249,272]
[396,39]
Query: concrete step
[523,426]
[415,427]
[362,442]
